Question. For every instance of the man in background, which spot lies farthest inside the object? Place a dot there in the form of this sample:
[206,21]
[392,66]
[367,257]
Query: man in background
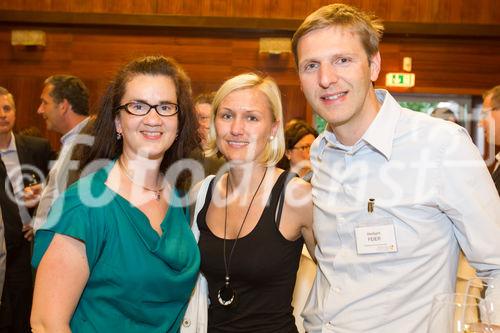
[491,105]
[449,111]
[3,256]
[23,166]
[203,108]
[65,108]
[392,188]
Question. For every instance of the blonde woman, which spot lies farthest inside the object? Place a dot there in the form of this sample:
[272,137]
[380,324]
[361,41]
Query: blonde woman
[255,217]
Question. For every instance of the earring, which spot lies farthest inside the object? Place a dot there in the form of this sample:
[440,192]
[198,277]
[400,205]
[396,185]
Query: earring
[271,138]
[118,136]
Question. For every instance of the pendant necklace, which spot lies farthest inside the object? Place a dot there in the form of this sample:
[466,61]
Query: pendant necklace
[226,294]
[157,191]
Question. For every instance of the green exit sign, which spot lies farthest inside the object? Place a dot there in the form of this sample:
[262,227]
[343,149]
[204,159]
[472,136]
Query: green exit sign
[400,80]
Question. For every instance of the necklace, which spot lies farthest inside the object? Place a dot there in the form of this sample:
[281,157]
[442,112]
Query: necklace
[226,294]
[156,191]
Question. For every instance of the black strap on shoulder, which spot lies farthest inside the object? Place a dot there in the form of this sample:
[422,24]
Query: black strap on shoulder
[281,201]
[208,197]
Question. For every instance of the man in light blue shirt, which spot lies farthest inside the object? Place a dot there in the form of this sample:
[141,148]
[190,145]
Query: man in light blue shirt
[65,108]
[396,193]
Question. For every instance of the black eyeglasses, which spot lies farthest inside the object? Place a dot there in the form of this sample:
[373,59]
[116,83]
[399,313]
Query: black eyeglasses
[142,108]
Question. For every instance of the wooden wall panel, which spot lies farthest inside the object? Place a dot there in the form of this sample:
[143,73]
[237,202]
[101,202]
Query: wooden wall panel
[95,55]
[106,6]
[87,6]
[453,64]
[422,11]
[457,65]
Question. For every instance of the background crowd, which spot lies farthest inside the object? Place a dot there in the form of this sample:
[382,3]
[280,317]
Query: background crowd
[123,235]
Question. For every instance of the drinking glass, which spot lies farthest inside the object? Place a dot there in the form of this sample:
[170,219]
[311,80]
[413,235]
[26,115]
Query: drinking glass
[477,285]
[459,313]
[489,289]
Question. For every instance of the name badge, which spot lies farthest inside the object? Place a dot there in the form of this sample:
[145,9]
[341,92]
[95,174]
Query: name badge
[380,238]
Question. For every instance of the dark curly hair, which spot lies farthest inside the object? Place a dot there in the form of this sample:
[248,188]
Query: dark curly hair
[107,146]
[295,130]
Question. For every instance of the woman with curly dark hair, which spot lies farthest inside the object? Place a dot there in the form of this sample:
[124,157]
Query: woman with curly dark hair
[116,253]
[299,136]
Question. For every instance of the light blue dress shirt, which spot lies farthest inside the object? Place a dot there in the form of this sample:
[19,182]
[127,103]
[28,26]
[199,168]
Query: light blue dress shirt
[58,175]
[429,179]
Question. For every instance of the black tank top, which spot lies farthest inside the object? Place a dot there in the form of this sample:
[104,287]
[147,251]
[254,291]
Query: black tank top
[263,271]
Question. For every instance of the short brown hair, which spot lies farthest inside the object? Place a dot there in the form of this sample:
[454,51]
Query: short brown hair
[72,89]
[368,27]
[204,98]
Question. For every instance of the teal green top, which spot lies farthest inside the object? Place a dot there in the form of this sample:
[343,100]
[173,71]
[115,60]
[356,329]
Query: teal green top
[139,281]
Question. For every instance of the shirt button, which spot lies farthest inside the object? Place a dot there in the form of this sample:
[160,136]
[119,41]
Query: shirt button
[336,290]
[186,323]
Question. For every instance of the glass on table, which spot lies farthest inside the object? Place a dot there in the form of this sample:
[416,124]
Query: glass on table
[477,285]
[459,313]
[489,289]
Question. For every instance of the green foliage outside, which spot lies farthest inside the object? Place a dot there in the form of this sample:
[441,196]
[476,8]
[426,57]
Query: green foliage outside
[418,106]
[320,123]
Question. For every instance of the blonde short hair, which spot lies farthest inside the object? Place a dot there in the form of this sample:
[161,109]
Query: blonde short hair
[368,27]
[275,148]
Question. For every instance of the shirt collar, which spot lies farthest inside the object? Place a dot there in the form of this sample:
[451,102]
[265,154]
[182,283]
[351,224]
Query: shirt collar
[70,136]
[12,145]
[327,139]
[380,134]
